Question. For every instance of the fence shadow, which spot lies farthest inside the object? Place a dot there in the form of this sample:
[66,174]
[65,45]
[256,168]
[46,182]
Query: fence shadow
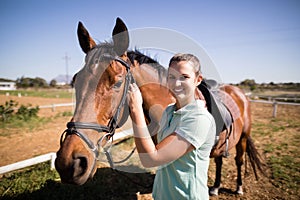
[107,184]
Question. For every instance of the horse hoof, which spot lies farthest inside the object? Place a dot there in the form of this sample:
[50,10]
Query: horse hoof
[239,190]
[214,191]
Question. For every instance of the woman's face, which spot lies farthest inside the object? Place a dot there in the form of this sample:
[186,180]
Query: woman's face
[182,82]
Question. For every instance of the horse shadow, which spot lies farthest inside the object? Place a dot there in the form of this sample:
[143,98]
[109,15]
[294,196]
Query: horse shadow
[107,184]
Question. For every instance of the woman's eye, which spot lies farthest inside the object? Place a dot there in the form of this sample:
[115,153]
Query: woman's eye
[183,78]
[118,85]
[171,77]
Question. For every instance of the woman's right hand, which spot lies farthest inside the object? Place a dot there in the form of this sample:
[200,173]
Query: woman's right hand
[134,97]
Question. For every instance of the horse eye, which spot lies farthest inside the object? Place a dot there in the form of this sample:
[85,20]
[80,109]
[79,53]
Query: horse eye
[118,85]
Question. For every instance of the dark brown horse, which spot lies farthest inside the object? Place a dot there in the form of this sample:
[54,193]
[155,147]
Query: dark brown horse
[101,87]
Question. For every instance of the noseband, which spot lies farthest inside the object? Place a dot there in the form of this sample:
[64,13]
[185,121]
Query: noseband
[113,123]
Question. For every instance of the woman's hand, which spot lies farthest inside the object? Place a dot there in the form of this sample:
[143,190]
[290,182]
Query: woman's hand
[134,97]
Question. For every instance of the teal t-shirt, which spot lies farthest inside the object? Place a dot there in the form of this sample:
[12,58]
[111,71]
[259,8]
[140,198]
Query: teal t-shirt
[186,177]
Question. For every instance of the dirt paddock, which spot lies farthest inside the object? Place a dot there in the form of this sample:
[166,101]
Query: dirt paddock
[19,145]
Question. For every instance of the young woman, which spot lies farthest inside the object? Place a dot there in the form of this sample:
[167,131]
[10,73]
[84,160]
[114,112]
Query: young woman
[185,136]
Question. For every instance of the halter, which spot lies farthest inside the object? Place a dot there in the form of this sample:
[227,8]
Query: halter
[112,125]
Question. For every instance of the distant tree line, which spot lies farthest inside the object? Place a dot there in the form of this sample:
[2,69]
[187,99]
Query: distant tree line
[252,85]
[26,82]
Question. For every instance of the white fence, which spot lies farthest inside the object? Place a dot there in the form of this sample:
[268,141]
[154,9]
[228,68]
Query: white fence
[53,106]
[269,98]
[29,162]
[51,156]
[275,104]
[121,135]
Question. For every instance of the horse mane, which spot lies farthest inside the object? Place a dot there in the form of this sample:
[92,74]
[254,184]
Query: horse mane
[140,57]
[143,59]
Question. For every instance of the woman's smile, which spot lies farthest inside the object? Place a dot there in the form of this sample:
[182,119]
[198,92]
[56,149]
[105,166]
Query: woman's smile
[178,90]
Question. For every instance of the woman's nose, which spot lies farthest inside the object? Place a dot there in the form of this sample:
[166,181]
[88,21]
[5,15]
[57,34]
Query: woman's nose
[177,82]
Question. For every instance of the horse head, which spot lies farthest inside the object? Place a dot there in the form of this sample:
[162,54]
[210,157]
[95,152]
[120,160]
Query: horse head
[100,87]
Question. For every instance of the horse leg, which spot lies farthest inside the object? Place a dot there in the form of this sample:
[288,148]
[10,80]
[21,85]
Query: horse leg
[239,161]
[215,189]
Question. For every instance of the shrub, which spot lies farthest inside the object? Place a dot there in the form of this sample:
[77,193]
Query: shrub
[8,114]
[26,113]
[7,110]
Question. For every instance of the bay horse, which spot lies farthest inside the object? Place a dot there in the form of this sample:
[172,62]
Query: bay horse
[101,87]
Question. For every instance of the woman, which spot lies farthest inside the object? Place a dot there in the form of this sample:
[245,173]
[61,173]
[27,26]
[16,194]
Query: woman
[185,136]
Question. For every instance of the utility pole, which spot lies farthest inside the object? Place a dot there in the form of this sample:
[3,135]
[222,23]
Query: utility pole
[67,58]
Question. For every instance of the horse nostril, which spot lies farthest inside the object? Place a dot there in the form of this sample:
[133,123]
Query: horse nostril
[80,165]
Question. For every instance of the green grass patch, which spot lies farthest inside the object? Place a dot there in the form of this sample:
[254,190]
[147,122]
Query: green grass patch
[46,93]
[280,143]
[64,114]
[285,172]
[13,116]
[39,182]
[21,125]
[26,181]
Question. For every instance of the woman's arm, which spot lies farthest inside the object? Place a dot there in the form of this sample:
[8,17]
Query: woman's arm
[169,149]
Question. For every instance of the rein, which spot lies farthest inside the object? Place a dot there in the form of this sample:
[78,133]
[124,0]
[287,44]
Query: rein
[112,125]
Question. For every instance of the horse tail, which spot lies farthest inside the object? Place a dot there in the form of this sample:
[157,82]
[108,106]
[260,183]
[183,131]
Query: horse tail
[255,158]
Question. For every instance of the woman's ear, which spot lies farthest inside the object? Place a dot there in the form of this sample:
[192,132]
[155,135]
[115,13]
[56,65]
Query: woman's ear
[199,79]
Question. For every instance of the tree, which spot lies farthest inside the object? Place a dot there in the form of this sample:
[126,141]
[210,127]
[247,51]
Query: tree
[25,82]
[53,83]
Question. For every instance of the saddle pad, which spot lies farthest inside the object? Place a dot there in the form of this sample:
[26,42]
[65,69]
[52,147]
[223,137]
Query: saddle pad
[230,105]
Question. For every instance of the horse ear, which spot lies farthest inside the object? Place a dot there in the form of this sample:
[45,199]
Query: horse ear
[120,37]
[85,40]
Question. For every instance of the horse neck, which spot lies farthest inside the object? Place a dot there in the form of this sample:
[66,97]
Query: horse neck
[156,95]
[146,74]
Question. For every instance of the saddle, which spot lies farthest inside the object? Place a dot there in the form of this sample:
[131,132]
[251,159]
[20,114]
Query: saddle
[214,98]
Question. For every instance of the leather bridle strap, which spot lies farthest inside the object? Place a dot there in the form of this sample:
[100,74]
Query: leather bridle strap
[73,131]
[84,125]
[113,123]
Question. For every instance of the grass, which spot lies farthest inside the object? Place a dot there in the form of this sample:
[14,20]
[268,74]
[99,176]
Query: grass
[26,181]
[40,182]
[19,124]
[46,93]
[278,141]
[281,148]
[285,172]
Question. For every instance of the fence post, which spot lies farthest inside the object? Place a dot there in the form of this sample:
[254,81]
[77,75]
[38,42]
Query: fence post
[275,109]
[52,160]
[53,107]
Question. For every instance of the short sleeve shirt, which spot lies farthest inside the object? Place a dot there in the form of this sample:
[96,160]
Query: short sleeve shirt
[186,177]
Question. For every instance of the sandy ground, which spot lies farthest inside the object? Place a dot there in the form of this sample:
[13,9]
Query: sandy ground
[23,145]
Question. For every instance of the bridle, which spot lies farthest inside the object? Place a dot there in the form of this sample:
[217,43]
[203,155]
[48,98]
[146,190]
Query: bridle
[113,123]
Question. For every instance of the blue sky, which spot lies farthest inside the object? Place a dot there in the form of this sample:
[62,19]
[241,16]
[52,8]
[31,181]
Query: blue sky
[257,39]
